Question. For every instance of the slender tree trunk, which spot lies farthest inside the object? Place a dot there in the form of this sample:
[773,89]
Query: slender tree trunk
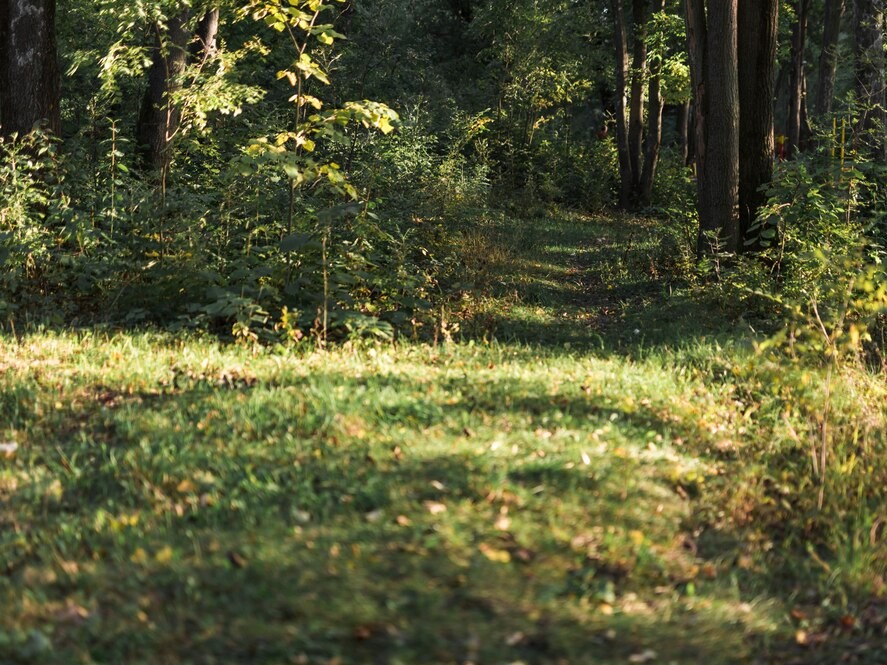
[691,134]
[636,109]
[682,126]
[758,25]
[174,47]
[653,138]
[721,180]
[797,132]
[29,75]
[158,118]
[870,76]
[620,47]
[204,45]
[694,15]
[828,56]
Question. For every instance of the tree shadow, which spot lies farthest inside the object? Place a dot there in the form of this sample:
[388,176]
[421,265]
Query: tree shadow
[313,544]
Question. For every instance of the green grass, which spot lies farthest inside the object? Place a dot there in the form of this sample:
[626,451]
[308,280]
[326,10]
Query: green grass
[572,479]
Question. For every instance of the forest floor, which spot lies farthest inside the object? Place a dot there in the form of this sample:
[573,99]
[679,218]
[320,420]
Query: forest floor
[572,474]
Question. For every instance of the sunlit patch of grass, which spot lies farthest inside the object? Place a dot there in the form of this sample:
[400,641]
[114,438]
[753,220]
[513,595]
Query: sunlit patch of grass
[539,490]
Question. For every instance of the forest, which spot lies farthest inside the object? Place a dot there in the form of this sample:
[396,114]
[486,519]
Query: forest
[457,332]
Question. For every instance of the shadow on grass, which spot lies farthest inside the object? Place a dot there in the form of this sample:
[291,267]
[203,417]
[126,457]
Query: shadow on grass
[299,539]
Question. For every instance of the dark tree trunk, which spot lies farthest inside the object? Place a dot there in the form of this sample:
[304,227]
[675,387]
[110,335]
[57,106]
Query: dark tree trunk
[758,25]
[721,181]
[158,118]
[653,138]
[620,47]
[870,76]
[828,57]
[683,129]
[204,45]
[694,15]
[29,74]
[636,109]
[797,131]
[174,47]
[712,38]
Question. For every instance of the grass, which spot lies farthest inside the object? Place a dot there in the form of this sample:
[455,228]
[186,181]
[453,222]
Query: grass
[572,479]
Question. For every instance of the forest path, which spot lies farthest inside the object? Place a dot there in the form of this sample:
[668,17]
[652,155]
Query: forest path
[546,490]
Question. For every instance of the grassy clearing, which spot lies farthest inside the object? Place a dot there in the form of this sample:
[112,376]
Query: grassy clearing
[572,479]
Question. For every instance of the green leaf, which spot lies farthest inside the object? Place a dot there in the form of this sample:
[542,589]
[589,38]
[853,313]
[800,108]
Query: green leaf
[295,242]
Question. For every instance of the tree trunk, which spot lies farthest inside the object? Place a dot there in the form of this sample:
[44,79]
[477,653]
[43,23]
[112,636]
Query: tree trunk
[686,125]
[636,109]
[204,45]
[758,25]
[694,16]
[797,132]
[870,76]
[712,40]
[721,181]
[29,75]
[158,118]
[653,138]
[620,47]
[828,56]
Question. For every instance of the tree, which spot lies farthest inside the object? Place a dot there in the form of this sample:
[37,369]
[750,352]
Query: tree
[620,45]
[870,75]
[712,40]
[175,44]
[732,56]
[798,130]
[637,143]
[758,26]
[828,56]
[29,75]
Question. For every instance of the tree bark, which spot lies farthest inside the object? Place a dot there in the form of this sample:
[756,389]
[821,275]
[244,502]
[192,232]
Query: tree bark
[712,41]
[158,118]
[204,45]
[636,109]
[29,74]
[797,130]
[870,76]
[721,182]
[653,138]
[683,130]
[620,46]
[828,56]
[174,47]
[758,25]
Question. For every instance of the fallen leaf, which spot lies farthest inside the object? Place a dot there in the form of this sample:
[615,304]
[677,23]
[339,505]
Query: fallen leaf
[642,657]
[403,520]
[435,507]
[72,613]
[164,555]
[493,554]
[235,559]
